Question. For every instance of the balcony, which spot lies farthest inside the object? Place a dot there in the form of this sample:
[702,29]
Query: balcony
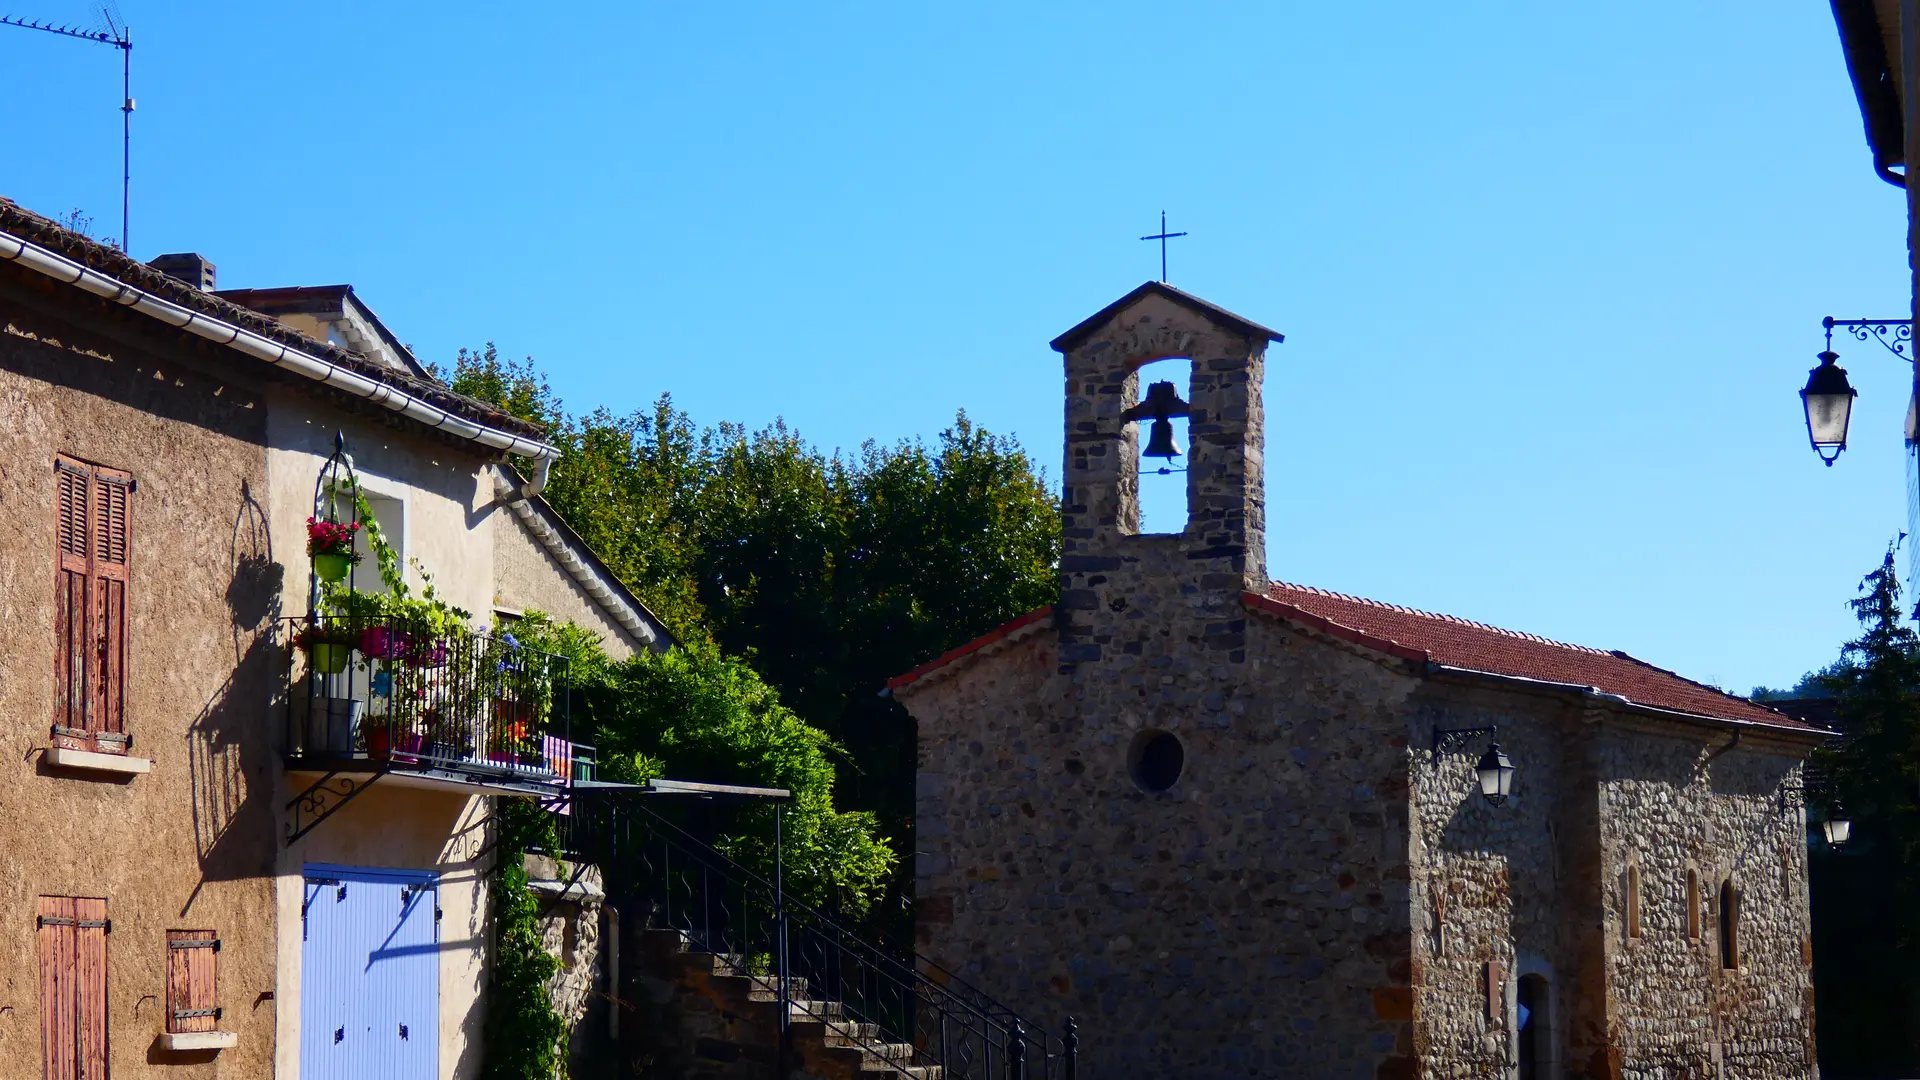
[457,711]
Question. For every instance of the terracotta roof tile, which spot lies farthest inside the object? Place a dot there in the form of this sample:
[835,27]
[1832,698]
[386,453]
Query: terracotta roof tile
[1462,643]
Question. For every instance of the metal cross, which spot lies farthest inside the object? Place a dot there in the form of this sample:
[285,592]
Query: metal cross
[1163,236]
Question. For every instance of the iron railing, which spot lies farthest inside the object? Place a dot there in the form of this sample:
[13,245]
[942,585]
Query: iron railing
[460,700]
[678,882]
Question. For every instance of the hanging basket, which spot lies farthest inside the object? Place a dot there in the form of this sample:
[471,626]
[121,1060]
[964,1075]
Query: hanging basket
[332,567]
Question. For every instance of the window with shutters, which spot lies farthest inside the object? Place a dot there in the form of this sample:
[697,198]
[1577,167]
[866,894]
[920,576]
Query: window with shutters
[72,935]
[193,997]
[93,532]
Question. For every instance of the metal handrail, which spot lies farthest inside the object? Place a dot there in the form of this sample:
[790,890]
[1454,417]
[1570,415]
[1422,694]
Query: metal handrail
[465,699]
[687,885]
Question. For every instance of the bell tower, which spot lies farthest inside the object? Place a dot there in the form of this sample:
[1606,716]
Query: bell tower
[1112,574]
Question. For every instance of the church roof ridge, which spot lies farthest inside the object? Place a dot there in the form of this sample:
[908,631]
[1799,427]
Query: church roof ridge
[1455,619]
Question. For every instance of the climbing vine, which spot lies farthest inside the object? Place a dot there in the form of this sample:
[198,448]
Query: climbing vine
[523,1032]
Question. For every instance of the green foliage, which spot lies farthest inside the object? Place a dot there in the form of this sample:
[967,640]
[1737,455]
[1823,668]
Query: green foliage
[1866,899]
[522,1031]
[828,573]
[424,613]
[694,714]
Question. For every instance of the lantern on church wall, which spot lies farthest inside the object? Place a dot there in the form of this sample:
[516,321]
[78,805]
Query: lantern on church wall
[1495,772]
[1837,828]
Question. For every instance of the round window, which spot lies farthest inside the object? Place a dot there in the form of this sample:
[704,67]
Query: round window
[1155,760]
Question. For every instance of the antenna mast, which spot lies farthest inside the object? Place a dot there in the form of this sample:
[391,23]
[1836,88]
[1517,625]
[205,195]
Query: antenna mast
[117,35]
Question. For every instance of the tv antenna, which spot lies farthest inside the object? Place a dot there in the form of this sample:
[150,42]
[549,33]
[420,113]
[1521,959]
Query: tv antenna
[117,35]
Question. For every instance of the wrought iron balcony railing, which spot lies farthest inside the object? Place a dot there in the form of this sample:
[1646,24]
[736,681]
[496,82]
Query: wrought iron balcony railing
[373,695]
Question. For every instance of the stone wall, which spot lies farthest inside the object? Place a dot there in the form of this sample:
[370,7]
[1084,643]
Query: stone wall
[1539,887]
[1250,921]
[1731,814]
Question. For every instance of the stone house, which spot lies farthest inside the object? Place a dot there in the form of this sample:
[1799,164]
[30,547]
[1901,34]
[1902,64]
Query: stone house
[1234,826]
[195,883]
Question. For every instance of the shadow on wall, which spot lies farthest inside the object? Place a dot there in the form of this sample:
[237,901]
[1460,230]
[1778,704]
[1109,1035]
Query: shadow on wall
[230,744]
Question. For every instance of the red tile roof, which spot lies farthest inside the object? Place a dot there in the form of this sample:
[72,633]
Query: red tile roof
[1461,643]
[998,633]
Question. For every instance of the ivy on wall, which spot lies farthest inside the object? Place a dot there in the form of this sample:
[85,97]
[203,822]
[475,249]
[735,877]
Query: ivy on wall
[523,1033]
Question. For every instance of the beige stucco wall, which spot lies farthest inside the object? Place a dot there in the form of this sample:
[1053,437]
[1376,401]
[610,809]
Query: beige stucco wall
[190,844]
[394,826]
[528,578]
[447,493]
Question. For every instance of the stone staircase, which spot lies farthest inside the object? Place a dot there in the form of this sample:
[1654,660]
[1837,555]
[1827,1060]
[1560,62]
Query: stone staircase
[725,1020]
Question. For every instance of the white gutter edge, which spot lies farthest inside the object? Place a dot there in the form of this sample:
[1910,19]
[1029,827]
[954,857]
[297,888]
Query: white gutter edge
[518,499]
[65,270]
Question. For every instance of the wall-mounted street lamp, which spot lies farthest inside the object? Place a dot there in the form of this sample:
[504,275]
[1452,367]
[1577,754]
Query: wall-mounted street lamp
[1828,397]
[1494,770]
[1837,827]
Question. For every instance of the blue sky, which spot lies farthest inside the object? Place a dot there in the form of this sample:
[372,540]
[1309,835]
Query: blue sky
[1550,275]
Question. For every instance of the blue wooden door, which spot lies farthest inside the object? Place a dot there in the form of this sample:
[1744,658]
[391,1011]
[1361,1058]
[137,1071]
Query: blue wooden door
[369,981]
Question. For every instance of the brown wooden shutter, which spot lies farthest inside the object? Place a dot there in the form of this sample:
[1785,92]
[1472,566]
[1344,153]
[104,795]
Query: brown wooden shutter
[193,997]
[90,987]
[93,532]
[73,988]
[59,1042]
[72,612]
[111,537]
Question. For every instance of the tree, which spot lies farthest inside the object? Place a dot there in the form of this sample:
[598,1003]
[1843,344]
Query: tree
[828,574]
[691,713]
[1866,899]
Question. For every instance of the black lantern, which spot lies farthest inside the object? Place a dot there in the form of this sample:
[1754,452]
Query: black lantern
[1837,828]
[1495,771]
[1828,399]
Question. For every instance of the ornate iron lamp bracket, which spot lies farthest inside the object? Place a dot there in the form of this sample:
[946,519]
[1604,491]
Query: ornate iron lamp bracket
[1895,335]
[1454,740]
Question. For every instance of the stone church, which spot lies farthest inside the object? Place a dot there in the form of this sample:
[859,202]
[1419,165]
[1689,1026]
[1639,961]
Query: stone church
[1235,827]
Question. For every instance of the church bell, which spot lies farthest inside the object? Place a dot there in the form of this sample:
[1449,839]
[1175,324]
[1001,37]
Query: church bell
[1160,441]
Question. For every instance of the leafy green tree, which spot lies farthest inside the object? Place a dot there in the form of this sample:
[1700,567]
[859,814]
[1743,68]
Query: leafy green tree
[691,713]
[826,574]
[1866,899]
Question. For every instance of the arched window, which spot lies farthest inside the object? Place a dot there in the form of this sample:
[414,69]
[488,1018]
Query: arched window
[1633,900]
[1693,905]
[1729,925]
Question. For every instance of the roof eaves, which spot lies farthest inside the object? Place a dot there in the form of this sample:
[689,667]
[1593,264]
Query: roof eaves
[29,228]
[1010,631]
[1790,729]
[1086,327]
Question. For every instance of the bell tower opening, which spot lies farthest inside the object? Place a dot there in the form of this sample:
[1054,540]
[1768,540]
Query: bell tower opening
[1165,442]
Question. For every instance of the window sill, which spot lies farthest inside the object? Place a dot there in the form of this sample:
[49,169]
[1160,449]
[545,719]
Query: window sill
[199,1040]
[119,764]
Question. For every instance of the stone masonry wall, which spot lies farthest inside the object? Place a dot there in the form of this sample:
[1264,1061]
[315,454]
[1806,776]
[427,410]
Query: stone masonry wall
[1251,921]
[1669,805]
[1494,897]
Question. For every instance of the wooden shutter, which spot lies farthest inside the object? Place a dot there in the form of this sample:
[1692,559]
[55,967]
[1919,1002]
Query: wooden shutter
[193,997]
[93,531]
[73,988]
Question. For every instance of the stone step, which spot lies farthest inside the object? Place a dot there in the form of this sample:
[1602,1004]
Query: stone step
[851,1033]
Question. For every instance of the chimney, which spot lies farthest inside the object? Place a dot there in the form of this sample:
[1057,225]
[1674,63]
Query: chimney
[193,269]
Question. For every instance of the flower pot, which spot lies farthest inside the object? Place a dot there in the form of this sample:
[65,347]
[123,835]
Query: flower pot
[409,746]
[332,566]
[379,742]
[329,657]
[332,724]
[382,642]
